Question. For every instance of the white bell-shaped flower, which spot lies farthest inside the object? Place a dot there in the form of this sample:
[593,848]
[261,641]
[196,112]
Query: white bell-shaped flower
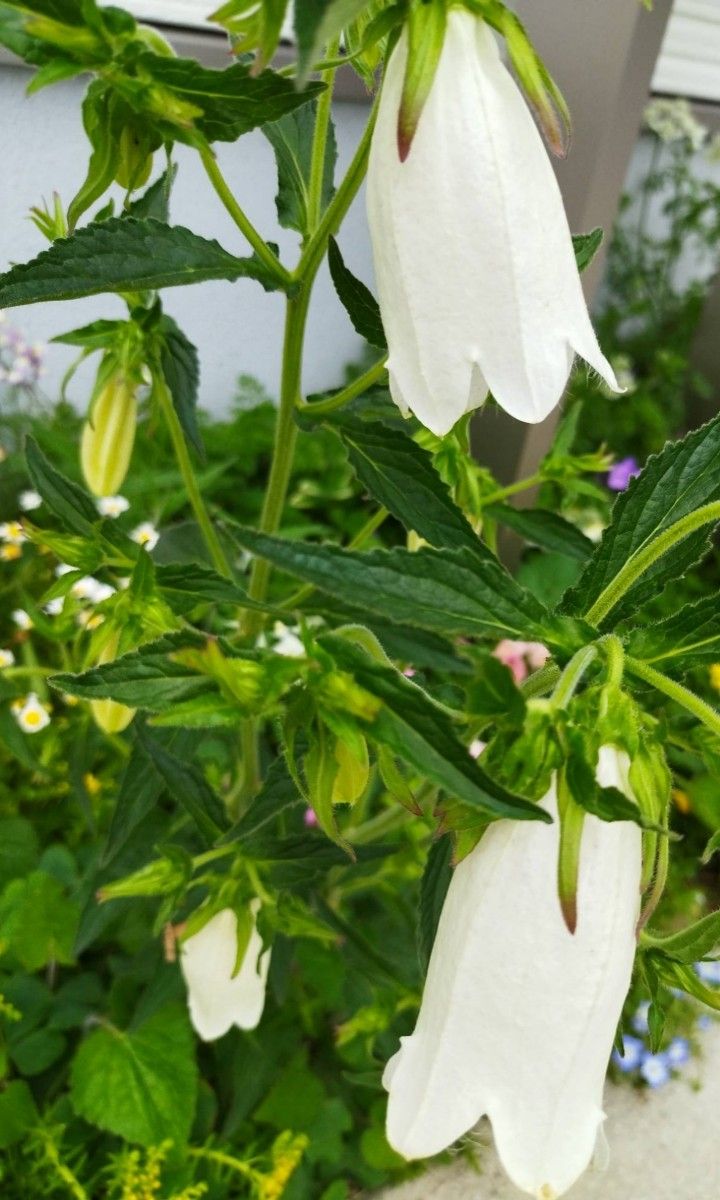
[477,280]
[218,998]
[518,1015]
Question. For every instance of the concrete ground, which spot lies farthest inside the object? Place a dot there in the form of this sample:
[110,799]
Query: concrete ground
[664,1145]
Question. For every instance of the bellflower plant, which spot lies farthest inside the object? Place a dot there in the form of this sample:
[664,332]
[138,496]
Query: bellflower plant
[267,678]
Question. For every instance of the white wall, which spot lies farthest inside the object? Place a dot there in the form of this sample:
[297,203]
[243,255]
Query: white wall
[236,327]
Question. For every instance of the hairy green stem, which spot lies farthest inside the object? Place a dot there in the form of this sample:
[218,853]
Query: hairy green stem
[319,146]
[541,682]
[182,454]
[677,692]
[512,489]
[647,556]
[346,394]
[571,676]
[244,224]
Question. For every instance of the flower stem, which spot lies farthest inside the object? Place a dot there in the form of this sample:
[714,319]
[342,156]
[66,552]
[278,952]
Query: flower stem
[182,454]
[319,146]
[571,676]
[512,489]
[244,224]
[346,394]
[677,692]
[646,556]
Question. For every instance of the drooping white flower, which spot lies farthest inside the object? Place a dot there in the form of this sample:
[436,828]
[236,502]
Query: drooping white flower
[30,714]
[145,534]
[518,1015]
[477,280]
[112,506]
[28,500]
[217,998]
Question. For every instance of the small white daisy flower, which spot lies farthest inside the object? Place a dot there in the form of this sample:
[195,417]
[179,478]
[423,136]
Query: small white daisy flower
[53,607]
[22,619]
[145,534]
[63,569]
[29,500]
[30,714]
[7,658]
[287,643]
[112,506]
[90,588]
[12,532]
[88,620]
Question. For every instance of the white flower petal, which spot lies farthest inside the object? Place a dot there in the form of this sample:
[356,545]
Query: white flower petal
[216,1000]
[476,273]
[518,1016]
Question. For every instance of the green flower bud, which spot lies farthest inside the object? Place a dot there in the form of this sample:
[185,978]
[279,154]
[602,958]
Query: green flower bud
[353,770]
[108,715]
[108,436]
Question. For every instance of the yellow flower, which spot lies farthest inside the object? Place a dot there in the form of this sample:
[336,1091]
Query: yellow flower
[10,551]
[92,783]
[715,676]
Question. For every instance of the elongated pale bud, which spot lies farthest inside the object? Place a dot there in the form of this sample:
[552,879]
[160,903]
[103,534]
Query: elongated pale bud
[353,770]
[221,992]
[108,436]
[108,715]
[426,25]
[518,1016]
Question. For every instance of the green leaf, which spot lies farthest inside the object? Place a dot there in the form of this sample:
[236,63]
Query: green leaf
[230,102]
[207,711]
[712,847]
[98,335]
[124,255]
[155,200]
[492,694]
[186,784]
[277,795]
[685,639]
[19,848]
[543,528]
[357,299]
[433,890]
[316,23]
[586,246]
[148,678]
[291,139]
[185,585]
[447,592]
[421,733]
[103,132]
[140,790]
[18,1113]
[683,477]
[140,1084]
[37,921]
[400,475]
[689,945]
[181,371]
[606,803]
[70,503]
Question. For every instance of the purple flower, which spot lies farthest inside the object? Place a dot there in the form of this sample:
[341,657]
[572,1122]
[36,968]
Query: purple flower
[621,473]
[678,1052]
[634,1050]
[655,1070]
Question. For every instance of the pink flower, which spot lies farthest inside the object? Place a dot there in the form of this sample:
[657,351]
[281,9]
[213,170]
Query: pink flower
[310,818]
[521,656]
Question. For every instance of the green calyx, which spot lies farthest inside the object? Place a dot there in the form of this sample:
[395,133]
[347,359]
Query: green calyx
[426,26]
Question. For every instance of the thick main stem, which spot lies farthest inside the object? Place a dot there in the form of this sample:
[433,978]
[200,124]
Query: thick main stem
[182,454]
